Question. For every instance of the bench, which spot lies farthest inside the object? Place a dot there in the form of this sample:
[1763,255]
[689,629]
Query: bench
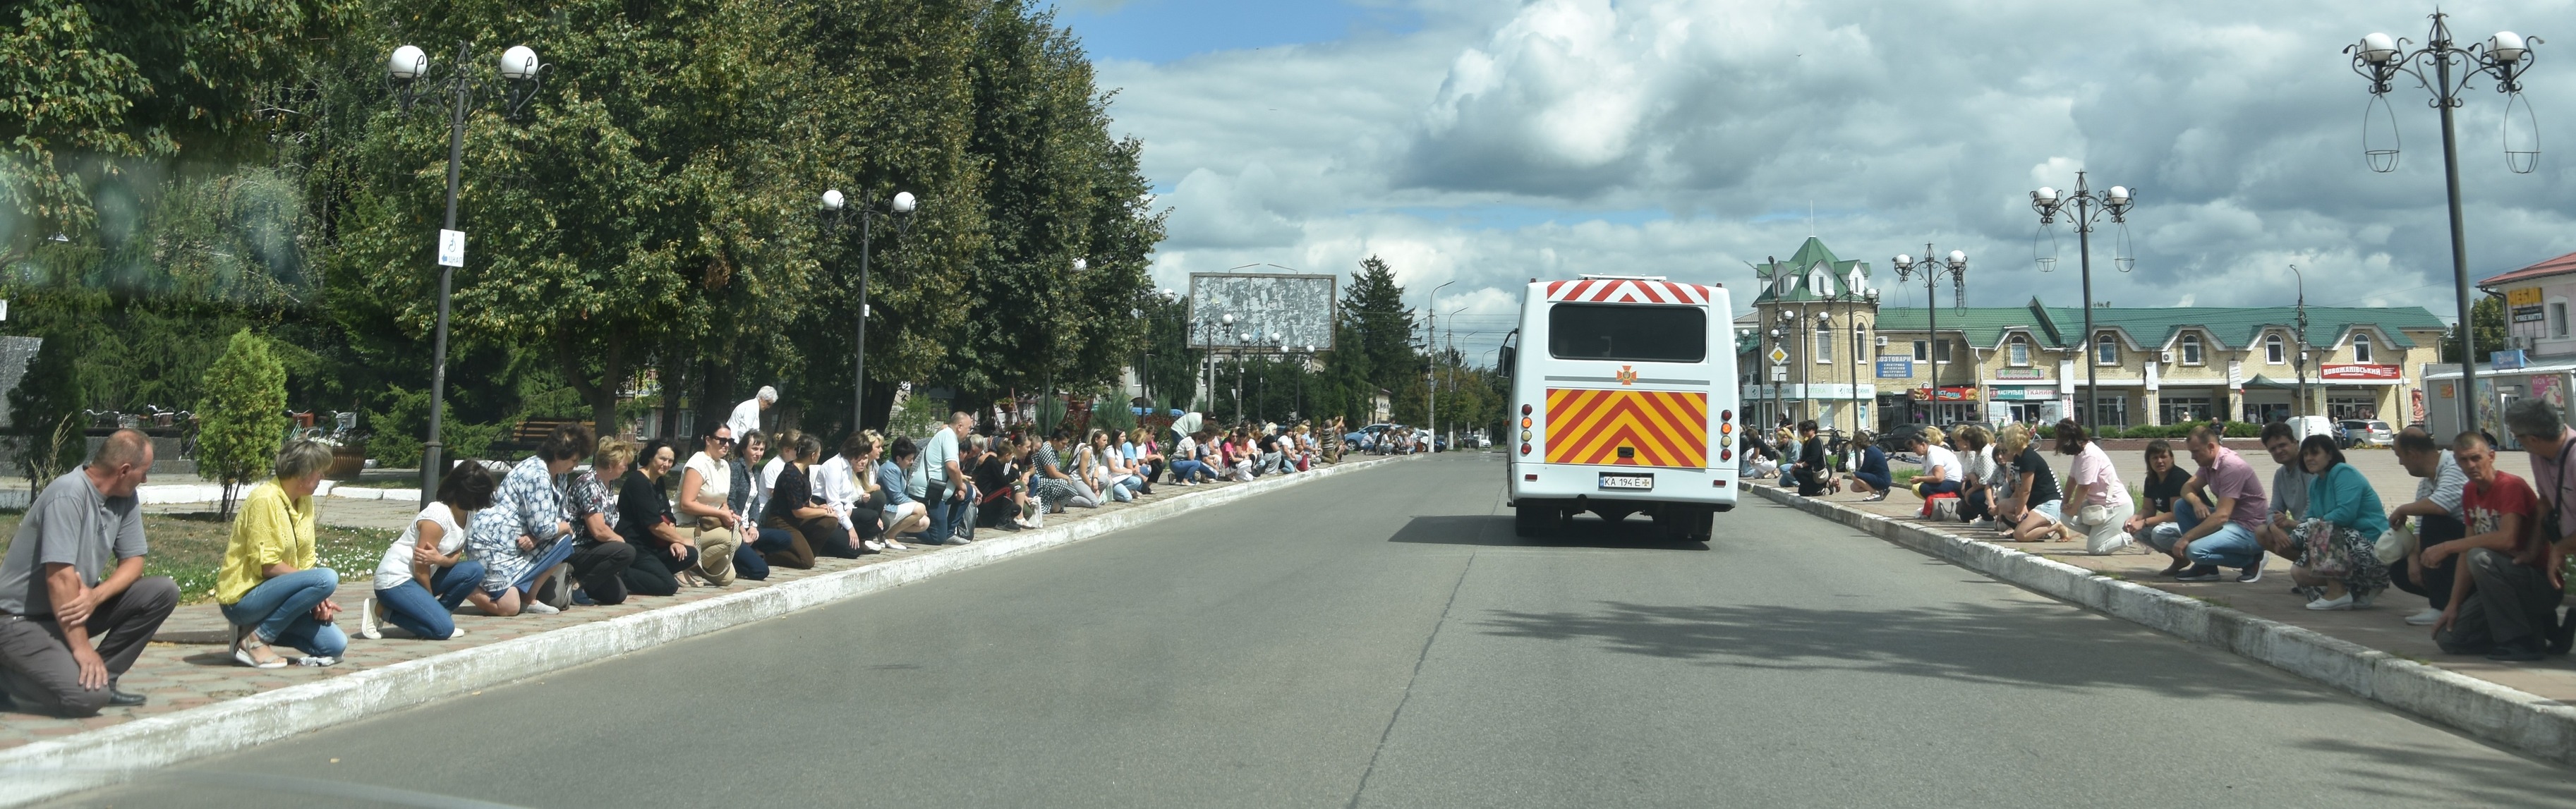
[530,433]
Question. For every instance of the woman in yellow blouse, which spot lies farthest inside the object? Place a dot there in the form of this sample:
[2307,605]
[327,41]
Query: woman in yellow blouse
[270,587]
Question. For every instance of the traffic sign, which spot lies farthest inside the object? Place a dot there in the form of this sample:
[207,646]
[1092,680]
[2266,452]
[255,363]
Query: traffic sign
[1779,354]
[1779,373]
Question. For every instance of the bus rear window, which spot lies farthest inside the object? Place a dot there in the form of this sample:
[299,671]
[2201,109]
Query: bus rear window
[1627,332]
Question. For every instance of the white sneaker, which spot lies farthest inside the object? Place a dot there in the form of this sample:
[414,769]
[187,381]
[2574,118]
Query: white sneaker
[455,632]
[2425,618]
[538,608]
[2343,602]
[369,626]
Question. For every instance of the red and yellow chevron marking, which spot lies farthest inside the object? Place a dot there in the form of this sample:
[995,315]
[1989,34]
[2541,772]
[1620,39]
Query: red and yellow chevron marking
[1661,428]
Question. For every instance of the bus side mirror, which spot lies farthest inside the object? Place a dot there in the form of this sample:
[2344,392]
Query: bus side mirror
[1503,360]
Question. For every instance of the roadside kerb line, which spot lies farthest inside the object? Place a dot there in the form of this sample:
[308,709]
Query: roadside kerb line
[47,769]
[2507,717]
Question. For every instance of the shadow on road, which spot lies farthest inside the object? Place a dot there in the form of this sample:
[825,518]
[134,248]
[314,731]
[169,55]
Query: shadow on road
[2393,773]
[1495,530]
[2040,646]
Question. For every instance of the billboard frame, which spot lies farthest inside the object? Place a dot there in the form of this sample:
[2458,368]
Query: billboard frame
[1196,338]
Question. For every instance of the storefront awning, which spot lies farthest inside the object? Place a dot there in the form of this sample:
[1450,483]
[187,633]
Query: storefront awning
[2268,383]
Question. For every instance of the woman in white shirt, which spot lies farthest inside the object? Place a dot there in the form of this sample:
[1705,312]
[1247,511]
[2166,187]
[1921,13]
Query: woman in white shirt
[425,574]
[1941,470]
[706,487]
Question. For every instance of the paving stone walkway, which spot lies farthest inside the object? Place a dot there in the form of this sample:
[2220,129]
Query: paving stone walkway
[2380,626]
[189,662]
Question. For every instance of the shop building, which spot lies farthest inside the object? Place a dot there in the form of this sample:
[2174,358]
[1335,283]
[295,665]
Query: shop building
[2152,366]
[2537,359]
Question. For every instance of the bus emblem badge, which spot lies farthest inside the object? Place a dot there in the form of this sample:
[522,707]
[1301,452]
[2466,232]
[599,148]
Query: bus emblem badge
[1627,374]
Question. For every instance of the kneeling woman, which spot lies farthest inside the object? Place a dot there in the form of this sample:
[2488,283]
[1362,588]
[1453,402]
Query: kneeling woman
[271,589]
[1941,470]
[2338,567]
[426,574]
[793,510]
[1869,471]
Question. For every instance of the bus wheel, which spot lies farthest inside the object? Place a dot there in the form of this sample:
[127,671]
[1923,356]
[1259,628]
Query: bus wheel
[1533,519]
[1701,525]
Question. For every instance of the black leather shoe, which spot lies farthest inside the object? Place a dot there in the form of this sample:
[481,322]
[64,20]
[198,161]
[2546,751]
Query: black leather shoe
[2565,637]
[116,696]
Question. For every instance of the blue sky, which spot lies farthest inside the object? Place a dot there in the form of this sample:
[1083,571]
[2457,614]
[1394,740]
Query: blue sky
[1169,30]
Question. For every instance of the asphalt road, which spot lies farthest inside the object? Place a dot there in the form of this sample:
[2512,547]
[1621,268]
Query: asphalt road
[1381,639]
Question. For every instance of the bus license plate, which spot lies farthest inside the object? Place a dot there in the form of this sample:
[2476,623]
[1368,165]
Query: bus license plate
[1610,481]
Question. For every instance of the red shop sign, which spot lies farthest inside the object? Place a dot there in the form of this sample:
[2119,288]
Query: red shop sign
[2359,371]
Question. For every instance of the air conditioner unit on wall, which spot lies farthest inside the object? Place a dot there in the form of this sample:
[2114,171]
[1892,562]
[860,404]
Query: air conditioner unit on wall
[2167,358]
[1882,341]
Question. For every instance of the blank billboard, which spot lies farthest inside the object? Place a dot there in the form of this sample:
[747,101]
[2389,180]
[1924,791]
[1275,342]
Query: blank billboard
[1298,308]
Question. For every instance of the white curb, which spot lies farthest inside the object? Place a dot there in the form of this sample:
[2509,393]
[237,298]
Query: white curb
[47,769]
[2505,716]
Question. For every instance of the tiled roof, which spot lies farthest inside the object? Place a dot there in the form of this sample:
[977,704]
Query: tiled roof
[1800,268]
[2231,327]
[2561,265]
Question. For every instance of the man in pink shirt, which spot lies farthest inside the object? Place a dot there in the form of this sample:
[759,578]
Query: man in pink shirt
[2206,545]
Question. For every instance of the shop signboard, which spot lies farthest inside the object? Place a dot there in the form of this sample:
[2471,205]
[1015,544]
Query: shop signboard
[1896,369]
[1950,394]
[2020,373]
[2017,393]
[2508,360]
[2525,303]
[2359,370]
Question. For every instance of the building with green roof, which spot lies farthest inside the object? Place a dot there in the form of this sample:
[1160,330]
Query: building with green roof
[1840,358]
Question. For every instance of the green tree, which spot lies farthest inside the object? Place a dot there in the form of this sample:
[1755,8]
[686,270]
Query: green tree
[1374,307]
[45,420]
[87,85]
[243,416]
[2491,335]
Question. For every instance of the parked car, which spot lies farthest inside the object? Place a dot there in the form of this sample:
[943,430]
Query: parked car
[2303,426]
[2365,433]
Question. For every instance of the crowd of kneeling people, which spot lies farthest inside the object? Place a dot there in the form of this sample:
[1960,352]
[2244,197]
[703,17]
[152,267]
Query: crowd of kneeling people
[543,535]
[2483,548]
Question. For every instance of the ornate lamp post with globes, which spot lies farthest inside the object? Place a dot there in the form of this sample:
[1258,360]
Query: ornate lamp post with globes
[1931,270]
[2085,210]
[408,69]
[2505,57]
[836,212]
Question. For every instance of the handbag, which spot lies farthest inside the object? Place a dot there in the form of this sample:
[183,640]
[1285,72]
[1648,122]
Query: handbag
[2316,538]
[2093,515]
[2393,545]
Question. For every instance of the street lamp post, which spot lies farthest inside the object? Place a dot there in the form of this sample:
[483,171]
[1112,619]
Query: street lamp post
[2085,210]
[1241,339]
[1858,326]
[2301,365]
[836,212]
[1931,270]
[2505,56]
[1209,329]
[1431,391]
[406,67]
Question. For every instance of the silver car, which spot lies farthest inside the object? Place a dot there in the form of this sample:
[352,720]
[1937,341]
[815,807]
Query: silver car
[2366,433]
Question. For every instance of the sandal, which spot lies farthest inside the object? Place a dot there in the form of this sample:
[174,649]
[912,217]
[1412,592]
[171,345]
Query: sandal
[245,643]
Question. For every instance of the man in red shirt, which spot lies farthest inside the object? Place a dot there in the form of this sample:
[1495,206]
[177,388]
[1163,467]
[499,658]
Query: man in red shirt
[2493,599]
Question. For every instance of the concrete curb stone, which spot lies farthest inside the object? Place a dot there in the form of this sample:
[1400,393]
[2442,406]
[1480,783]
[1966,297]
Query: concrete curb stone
[2501,715]
[47,769]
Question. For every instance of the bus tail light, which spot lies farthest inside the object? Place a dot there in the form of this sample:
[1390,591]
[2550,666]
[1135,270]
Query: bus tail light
[1524,449]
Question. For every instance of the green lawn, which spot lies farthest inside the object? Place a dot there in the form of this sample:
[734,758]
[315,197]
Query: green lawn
[189,547]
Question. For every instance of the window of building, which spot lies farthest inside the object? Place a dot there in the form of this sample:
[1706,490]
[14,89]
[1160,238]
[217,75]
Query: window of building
[2106,349]
[2110,411]
[1824,343]
[2018,351]
[2179,409]
[2361,348]
[1941,351]
[2191,349]
[2558,318]
[1922,351]
[2272,349]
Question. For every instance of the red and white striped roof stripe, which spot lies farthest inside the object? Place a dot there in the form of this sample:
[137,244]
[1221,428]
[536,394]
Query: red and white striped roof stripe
[1626,290]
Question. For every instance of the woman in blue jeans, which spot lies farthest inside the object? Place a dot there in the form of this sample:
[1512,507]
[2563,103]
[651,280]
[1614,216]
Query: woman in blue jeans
[271,588]
[425,575]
